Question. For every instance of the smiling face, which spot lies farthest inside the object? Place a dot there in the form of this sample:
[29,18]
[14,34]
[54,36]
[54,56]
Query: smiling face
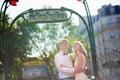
[79,48]
[64,45]
[76,46]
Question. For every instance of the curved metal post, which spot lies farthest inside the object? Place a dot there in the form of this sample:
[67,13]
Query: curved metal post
[66,9]
[20,15]
[2,42]
[91,38]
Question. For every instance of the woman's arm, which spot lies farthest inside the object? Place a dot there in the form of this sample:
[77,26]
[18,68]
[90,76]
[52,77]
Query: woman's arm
[63,66]
[77,70]
[58,62]
[80,63]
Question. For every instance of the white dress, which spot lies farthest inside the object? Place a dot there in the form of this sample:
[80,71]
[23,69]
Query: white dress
[80,76]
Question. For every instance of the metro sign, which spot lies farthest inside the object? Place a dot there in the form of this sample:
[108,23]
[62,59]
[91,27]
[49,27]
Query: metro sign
[47,15]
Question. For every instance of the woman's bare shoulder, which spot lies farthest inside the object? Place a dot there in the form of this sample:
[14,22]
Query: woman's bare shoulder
[81,55]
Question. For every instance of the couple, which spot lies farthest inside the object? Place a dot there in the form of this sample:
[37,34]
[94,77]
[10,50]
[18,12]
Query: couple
[67,70]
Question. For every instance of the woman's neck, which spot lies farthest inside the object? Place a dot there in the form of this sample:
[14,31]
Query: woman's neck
[78,52]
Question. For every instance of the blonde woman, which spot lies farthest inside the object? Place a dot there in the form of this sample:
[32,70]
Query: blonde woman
[78,57]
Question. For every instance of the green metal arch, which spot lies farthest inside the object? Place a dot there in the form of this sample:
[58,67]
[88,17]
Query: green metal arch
[89,28]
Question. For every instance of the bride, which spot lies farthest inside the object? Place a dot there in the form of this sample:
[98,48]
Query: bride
[80,55]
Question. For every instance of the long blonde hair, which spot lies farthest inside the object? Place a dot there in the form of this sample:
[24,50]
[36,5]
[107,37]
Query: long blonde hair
[82,48]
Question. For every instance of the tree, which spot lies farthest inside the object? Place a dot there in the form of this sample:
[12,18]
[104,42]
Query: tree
[17,45]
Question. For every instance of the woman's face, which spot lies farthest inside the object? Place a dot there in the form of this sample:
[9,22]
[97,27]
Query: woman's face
[76,46]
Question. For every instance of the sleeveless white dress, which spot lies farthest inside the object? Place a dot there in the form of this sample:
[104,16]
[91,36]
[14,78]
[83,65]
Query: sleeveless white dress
[80,76]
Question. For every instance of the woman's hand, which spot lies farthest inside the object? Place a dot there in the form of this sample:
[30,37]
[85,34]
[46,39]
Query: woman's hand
[62,65]
[79,70]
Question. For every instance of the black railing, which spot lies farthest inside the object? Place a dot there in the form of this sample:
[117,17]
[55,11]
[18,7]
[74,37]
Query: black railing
[111,64]
[106,26]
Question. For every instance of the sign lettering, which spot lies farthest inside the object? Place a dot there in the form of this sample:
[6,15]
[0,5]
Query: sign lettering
[48,15]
